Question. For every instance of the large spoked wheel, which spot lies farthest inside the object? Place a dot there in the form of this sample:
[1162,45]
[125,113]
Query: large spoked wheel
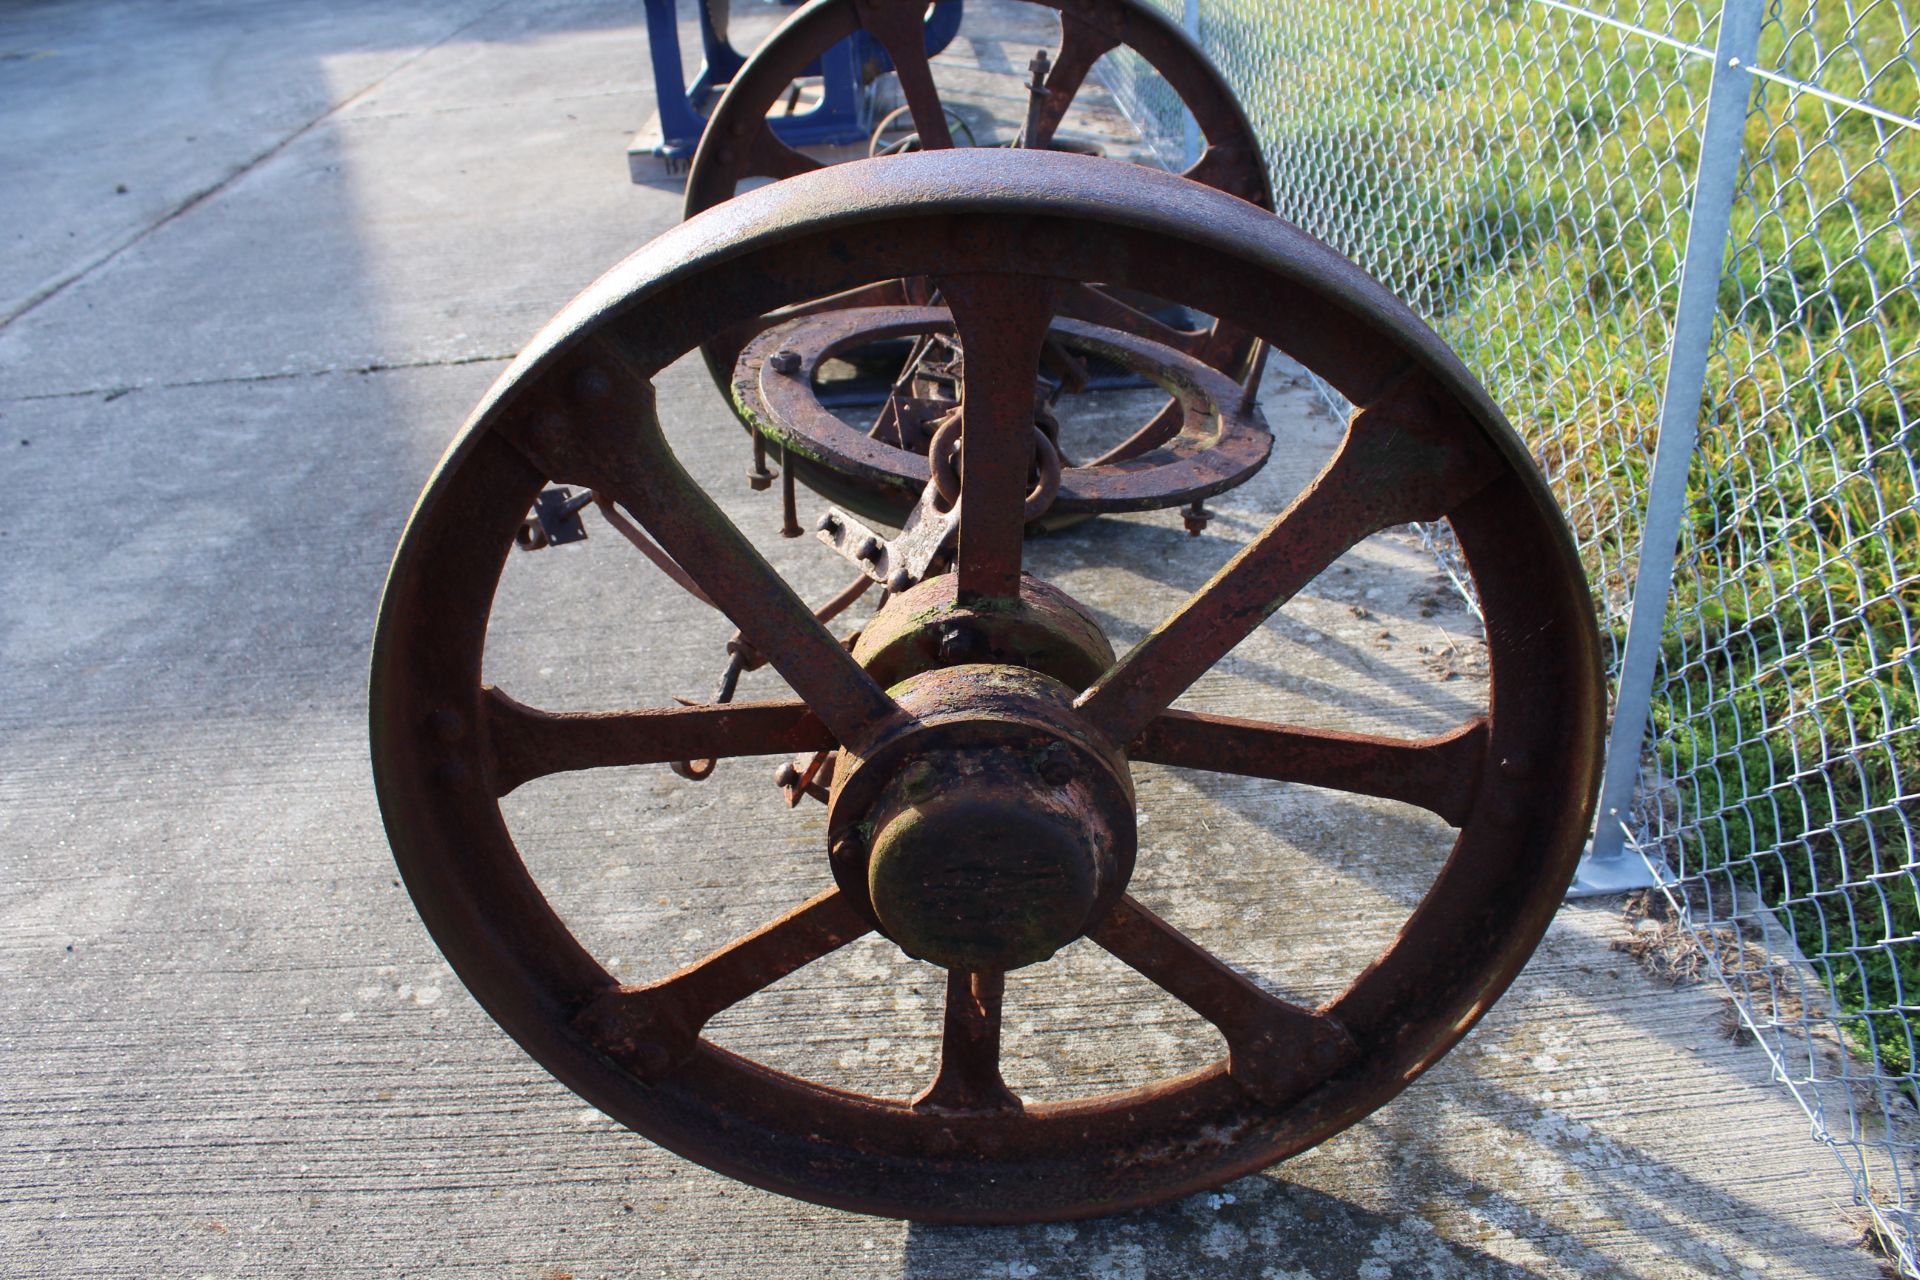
[739,146]
[982,812]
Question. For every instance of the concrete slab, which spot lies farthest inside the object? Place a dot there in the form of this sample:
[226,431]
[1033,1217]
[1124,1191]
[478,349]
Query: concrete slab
[120,117]
[228,1047]
[337,254]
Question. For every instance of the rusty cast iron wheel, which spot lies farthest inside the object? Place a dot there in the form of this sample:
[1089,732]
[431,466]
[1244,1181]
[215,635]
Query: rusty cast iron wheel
[738,146]
[973,729]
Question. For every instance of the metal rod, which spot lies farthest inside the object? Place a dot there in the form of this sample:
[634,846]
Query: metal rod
[1790,82]
[1609,866]
[651,550]
[1190,20]
[789,503]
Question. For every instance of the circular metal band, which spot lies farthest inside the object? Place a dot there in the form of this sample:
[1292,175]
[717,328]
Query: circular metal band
[1218,440]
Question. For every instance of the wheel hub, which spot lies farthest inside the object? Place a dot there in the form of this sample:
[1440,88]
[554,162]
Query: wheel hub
[928,626]
[993,831]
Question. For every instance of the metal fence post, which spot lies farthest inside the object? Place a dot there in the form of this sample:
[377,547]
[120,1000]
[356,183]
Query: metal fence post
[1190,21]
[1610,867]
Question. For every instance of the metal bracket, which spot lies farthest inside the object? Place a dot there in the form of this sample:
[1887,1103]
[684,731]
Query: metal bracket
[898,563]
[1629,869]
[555,520]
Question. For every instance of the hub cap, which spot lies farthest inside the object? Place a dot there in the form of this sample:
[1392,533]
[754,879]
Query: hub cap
[993,831]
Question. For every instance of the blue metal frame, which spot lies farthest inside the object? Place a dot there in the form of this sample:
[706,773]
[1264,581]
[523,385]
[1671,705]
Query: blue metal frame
[842,115]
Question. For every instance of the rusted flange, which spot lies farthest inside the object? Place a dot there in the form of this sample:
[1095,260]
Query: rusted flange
[1045,630]
[1212,438]
[991,831]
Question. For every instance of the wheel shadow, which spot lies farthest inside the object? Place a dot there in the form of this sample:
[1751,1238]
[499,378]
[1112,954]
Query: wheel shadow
[1261,1226]
[1471,1159]
[1309,654]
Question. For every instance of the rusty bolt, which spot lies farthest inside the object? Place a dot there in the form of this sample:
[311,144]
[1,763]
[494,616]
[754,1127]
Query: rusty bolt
[593,383]
[1056,770]
[547,431]
[1325,1053]
[958,643]
[869,548]
[1038,69]
[827,522]
[1196,517]
[788,776]
[758,477]
[636,1034]
[650,1060]
[454,775]
[900,581]
[784,361]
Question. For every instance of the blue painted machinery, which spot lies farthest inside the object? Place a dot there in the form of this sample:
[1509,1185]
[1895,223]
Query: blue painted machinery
[848,70]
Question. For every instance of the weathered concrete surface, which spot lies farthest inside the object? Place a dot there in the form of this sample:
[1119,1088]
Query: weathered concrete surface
[228,1048]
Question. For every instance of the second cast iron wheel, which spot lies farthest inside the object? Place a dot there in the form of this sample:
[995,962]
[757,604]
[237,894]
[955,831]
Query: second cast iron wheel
[738,147]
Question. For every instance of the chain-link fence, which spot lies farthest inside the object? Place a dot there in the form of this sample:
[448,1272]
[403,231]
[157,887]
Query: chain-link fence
[1533,177]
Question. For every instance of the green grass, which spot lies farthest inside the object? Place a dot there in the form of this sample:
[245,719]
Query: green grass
[1522,178]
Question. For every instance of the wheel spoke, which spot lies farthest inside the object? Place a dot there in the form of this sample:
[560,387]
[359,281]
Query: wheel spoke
[969,1079]
[607,437]
[652,1028]
[1233,169]
[1159,429]
[1397,463]
[1084,302]
[901,31]
[524,743]
[769,157]
[1002,324]
[1440,774]
[1096,306]
[1276,1050]
[1081,45]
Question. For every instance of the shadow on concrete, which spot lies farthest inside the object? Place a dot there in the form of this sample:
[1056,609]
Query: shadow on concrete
[1269,1226]
[1257,1227]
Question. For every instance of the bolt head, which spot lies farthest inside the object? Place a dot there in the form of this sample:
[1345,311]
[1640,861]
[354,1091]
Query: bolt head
[848,848]
[759,481]
[784,362]
[447,725]
[956,643]
[454,775]
[592,383]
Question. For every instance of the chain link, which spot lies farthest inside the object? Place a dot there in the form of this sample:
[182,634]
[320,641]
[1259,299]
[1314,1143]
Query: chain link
[1522,174]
